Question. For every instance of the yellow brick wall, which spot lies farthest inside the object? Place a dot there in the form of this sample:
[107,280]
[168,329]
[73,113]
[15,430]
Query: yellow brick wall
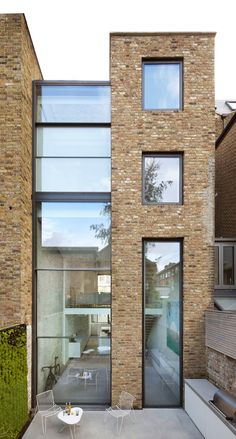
[191,131]
[18,67]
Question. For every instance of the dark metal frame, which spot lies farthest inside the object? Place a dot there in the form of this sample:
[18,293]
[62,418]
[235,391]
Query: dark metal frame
[173,154]
[156,61]
[38,197]
[181,243]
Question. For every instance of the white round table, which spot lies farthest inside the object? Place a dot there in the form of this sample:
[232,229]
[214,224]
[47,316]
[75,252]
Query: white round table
[71,420]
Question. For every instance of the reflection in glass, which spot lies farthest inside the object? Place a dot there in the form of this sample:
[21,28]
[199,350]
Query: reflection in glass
[82,356]
[216,265]
[73,175]
[68,289]
[73,142]
[162,86]
[162,323]
[228,265]
[68,103]
[161,179]
[73,235]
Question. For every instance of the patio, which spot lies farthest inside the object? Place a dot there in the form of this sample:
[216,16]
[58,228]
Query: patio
[149,424]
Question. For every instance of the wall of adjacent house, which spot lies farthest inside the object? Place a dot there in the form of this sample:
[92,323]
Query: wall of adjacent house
[221,367]
[18,67]
[225,185]
[134,131]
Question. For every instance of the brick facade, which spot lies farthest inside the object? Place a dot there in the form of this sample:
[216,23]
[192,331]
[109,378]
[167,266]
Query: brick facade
[226,184]
[221,370]
[18,68]
[134,131]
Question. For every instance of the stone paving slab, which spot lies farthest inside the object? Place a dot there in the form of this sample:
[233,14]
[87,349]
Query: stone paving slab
[149,424]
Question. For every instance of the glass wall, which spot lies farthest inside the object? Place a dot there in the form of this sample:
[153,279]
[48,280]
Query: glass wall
[72,255]
[73,103]
[162,344]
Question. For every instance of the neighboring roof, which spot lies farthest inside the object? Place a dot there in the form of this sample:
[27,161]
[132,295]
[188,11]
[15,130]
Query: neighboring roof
[224,107]
[226,129]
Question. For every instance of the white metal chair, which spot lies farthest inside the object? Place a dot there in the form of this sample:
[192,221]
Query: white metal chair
[46,407]
[122,409]
[126,402]
[73,373]
[93,381]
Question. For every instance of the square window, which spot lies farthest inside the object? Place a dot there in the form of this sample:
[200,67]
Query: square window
[162,178]
[162,85]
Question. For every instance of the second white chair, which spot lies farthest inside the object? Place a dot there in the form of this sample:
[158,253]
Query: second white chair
[46,407]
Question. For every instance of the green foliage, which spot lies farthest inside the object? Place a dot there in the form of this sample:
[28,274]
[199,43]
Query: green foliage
[13,381]
[153,187]
[101,231]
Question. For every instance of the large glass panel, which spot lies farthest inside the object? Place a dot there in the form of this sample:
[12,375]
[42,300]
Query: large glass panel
[162,179]
[73,175]
[60,289]
[228,265]
[162,86]
[73,142]
[216,265]
[162,323]
[73,235]
[68,103]
[79,360]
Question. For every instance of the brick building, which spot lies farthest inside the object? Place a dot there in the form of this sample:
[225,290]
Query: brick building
[123,216]
[221,322]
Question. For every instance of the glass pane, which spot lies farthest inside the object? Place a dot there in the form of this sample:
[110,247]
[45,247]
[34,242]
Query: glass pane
[57,290]
[73,142]
[73,235]
[162,86]
[228,265]
[161,179]
[50,303]
[162,323]
[73,175]
[216,265]
[77,366]
[68,103]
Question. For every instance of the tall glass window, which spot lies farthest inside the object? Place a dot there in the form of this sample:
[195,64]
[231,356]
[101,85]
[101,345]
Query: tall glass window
[162,345]
[72,233]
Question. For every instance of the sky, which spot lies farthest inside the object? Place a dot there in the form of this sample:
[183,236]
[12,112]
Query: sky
[71,38]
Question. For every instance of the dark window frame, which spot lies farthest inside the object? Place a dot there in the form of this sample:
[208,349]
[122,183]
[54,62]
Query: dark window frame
[180,240]
[56,197]
[220,245]
[162,61]
[156,154]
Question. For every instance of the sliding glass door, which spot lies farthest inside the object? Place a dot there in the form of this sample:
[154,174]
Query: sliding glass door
[162,323]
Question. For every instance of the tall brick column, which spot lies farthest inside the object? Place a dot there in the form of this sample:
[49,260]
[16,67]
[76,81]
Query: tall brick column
[191,131]
[18,67]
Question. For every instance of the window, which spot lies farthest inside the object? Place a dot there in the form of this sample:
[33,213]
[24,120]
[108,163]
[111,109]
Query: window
[70,103]
[225,267]
[162,85]
[162,178]
[72,173]
[162,267]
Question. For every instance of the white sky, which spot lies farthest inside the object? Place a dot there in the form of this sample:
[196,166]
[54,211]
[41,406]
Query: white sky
[71,37]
